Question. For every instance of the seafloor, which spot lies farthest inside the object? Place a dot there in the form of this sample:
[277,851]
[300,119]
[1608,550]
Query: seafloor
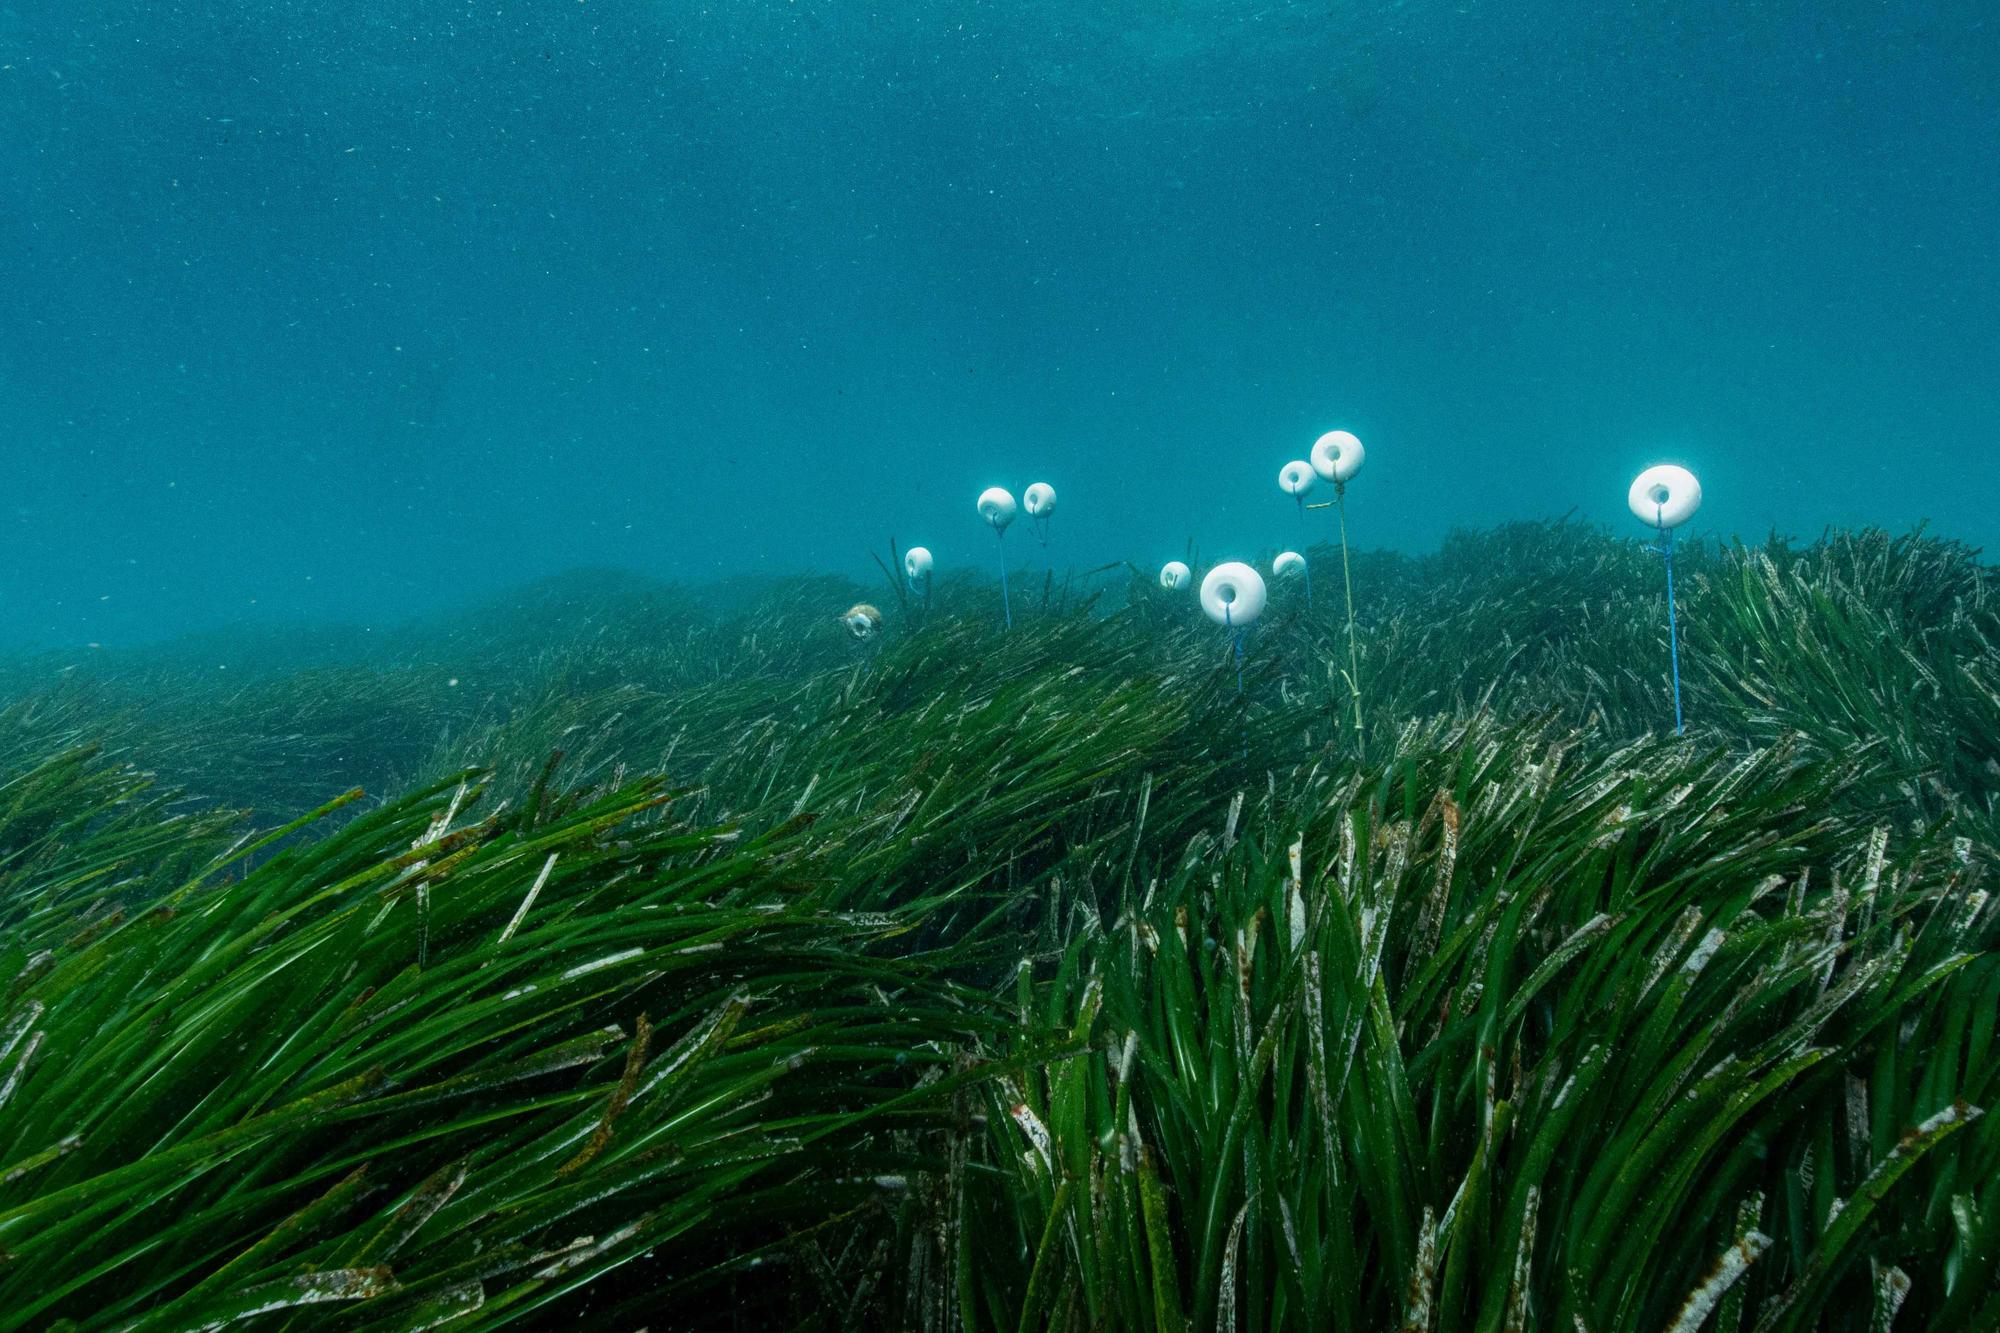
[676,959]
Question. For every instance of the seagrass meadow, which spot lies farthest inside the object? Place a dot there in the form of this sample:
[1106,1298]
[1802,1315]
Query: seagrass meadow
[625,956]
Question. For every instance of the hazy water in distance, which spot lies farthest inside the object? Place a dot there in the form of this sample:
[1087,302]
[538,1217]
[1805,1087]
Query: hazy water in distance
[352,311]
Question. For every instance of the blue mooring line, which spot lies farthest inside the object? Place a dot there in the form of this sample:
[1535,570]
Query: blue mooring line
[1306,542]
[1236,650]
[1674,637]
[1237,643]
[1006,602]
[1666,549]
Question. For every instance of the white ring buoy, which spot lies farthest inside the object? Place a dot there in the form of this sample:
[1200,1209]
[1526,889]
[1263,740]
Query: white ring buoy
[996,506]
[1233,594]
[1174,575]
[1337,455]
[862,620]
[1296,478]
[1039,500]
[1288,564]
[917,563]
[1664,497]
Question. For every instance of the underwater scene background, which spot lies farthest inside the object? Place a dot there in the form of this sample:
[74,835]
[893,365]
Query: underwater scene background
[540,786]
[355,311]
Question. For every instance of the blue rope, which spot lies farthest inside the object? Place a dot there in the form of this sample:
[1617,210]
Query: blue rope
[1237,645]
[1236,648]
[1006,603]
[1305,542]
[1666,550]
[1048,558]
[1673,631]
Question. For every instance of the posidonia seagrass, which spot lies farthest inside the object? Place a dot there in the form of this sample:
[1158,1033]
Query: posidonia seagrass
[973,980]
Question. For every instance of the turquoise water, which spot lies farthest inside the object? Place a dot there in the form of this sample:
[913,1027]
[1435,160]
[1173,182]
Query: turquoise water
[349,312]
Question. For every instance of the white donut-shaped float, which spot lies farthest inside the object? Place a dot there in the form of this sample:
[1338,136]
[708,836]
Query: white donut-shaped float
[996,506]
[1039,500]
[1296,478]
[862,620]
[1174,575]
[1288,565]
[1664,497]
[1337,455]
[1233,594]
[917,563]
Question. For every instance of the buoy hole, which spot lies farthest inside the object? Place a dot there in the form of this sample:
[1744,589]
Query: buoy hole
[1661,495]
[1228,594]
